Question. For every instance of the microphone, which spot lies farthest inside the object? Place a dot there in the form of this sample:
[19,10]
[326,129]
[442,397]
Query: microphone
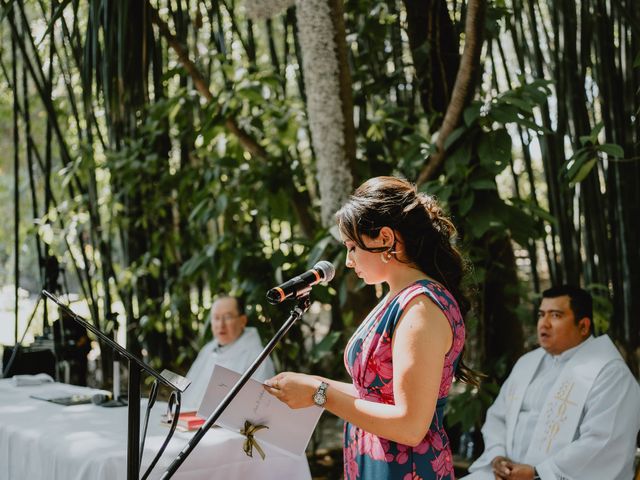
[321,272]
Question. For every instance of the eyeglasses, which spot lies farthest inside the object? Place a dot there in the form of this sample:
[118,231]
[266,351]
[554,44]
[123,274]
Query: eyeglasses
[226,318]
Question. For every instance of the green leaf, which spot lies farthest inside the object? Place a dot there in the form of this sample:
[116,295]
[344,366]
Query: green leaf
[504,113]
[525,122]
[611,149]
[480,221]
[221,203]
[58,13]
[317,252]
[194,264]
[458,160]
[324,347]
[518,102]
[572,166]
[466,202]
[471,113]
[583,171]
[535,210]
[522,226]
[453,136]
[494,150]
[292,350]
[483,184]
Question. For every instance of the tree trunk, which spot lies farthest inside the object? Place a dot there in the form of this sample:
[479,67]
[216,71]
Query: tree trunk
[434,47]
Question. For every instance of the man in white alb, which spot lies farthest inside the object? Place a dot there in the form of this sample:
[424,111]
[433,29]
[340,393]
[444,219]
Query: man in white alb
[234,346]
[569,410]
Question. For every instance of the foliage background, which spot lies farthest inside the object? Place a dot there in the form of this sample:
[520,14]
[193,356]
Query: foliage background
[161,153]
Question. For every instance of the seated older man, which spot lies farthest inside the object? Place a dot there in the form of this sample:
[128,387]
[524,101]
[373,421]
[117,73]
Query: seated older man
[570,410]
[234,346]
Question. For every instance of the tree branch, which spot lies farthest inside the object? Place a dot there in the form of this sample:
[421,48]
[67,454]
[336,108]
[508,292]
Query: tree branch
[462,89]
[247,141]
[300,200]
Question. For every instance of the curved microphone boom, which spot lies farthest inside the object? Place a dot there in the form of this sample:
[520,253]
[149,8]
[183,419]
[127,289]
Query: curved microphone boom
[321,272]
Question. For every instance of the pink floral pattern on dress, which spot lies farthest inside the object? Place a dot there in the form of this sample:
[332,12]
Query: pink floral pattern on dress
[369,360]
[443,464]
[371,446]
[412,475]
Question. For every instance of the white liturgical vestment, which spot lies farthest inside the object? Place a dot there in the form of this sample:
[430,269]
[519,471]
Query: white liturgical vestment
[573,416]
[236,356]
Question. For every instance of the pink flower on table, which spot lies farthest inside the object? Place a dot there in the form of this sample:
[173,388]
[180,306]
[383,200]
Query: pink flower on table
[442,465]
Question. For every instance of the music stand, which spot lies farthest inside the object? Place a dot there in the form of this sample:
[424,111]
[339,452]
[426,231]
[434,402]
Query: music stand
[301,307]
[136,366]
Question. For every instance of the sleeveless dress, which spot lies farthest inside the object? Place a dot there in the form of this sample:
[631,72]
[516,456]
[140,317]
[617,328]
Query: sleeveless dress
[368,359]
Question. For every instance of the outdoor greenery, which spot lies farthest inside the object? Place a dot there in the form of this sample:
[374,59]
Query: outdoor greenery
[163,151]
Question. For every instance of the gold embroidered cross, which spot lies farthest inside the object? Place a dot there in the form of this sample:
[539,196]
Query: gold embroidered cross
[562,396]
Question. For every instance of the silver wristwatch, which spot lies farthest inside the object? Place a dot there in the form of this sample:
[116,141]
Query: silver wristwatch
[320,397]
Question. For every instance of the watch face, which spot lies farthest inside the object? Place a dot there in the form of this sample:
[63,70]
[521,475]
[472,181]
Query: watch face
[319,398]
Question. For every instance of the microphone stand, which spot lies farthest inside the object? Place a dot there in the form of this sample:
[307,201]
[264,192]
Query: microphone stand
[301,307]
[136,366]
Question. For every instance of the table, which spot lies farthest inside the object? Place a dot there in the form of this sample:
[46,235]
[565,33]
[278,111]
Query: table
[43,440]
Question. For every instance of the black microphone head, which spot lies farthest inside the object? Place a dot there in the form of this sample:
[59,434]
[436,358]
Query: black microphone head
[327,270]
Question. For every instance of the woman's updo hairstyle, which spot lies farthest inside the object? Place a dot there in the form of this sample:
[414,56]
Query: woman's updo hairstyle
[428,234]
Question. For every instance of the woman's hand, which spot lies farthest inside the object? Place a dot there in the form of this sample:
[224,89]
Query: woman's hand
[294,389]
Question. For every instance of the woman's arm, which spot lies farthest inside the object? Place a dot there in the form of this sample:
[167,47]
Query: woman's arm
[421,340]
[346,388]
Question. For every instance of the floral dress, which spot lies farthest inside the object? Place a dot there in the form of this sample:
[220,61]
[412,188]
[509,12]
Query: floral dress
[368,359]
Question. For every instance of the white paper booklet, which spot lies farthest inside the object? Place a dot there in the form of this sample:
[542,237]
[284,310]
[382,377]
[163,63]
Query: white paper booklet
[289,429]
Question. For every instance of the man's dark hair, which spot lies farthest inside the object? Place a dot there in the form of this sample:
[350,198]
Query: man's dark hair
[580,301]
[240,305]
[239,301]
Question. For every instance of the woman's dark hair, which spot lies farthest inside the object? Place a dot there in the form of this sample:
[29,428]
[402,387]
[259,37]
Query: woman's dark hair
[428,234]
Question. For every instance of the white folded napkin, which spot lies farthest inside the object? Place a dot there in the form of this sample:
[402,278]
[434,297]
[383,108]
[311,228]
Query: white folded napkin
[30,380]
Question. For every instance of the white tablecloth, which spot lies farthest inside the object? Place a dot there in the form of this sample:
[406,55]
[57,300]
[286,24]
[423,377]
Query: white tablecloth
[43,440]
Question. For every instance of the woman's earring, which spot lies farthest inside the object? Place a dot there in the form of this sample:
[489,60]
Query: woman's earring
[385,256]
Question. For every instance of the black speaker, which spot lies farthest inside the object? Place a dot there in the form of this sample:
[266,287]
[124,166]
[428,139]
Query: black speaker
[29,361]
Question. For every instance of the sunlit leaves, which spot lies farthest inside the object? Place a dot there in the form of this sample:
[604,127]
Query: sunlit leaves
[585,158]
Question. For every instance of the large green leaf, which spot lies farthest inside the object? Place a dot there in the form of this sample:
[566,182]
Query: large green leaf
[494,150]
